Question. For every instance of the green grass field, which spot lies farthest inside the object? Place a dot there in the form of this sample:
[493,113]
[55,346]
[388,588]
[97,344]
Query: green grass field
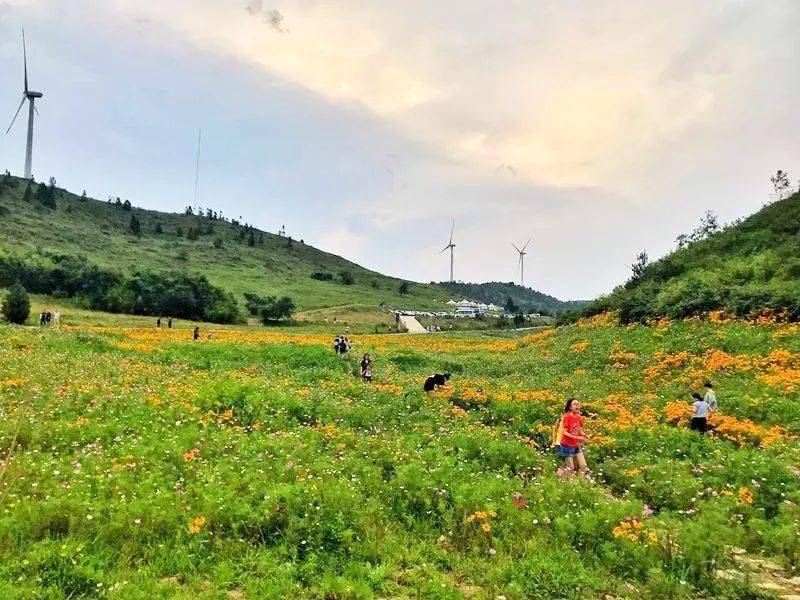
[137,464]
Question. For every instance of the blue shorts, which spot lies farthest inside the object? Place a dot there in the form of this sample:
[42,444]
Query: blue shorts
[567,451]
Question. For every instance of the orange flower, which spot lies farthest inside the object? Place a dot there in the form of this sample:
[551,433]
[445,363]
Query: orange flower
[197,524]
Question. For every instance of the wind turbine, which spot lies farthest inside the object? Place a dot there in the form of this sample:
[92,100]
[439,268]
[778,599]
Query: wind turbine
[521,263]
[31,97]
[450,246]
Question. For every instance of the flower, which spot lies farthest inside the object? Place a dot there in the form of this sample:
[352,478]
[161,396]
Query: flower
[486,528]
[197,524]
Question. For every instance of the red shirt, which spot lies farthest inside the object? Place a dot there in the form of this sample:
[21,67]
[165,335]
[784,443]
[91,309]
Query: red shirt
[572,425]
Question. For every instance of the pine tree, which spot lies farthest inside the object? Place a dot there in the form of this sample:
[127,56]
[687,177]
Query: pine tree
[17,305]
[46,196]
[251,240]
[135,226]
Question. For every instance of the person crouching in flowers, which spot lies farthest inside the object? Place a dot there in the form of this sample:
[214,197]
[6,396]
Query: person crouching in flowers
[567,438]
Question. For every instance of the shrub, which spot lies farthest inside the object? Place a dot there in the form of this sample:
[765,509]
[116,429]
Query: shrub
[17,305]
[346,277]
[322,276]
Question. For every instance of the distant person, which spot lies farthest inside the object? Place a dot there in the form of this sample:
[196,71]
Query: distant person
[366,368]
[711,397]
[435,382]
[699,420]
[169,323]
[57,319]
[42,319]
[337,345]
[568,437]
[196,334]
[48,316]
[158,322]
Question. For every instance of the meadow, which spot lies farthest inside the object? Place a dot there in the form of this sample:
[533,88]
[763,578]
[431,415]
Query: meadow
[255,464]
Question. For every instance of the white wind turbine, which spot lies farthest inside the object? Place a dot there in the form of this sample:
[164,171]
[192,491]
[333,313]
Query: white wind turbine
[30,96]
[450,246]
[521,262]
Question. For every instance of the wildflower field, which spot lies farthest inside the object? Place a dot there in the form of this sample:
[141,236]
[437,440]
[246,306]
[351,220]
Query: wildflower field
[139,464]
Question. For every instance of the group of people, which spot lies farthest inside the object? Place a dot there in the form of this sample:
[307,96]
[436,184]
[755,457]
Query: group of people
[341,345]
[49,318]
[169,322]
[703,407]
[568,435]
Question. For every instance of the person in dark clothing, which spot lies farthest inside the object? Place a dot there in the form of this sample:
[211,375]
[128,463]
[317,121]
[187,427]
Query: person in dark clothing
[196,334]
[158,322]
[434,382]
[42,319]
[366,368]
[169,322]
[48,316]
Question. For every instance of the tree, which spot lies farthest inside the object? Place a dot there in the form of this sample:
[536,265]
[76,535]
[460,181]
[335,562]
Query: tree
[251,240]
[179,231]
[276,309]
[17,305]
[192,234]
[83,195]
[346,277]
[127,205]
[639,266]
[403,289]
[781,188]
[158,228]
[511,306]
[135,226]
[519,319]
[46,196]
[28,195]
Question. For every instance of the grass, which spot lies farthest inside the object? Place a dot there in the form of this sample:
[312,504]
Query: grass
[100,231]
[256,465]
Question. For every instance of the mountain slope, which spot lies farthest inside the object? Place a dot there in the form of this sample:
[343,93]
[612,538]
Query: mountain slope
[274,265]
[746,268]
[498,293]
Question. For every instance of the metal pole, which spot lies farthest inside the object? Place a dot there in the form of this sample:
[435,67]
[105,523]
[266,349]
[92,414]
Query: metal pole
[29,148]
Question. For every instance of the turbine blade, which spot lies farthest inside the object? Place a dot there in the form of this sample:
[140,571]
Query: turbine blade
[36,110]
[445,248]
[25,60]
[452,227]
[526,244]
[515,247]
[15,115]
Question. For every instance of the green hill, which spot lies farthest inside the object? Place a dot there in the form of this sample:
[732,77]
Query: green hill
[744,268]
[223,251]
[496,292]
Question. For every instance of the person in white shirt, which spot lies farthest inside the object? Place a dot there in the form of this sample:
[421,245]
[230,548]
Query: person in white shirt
[711,397]
[700,417]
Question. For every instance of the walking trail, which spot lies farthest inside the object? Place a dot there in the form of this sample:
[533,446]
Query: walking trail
[411,324]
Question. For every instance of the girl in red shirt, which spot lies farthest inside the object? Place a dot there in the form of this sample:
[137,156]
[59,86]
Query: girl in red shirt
[572,436]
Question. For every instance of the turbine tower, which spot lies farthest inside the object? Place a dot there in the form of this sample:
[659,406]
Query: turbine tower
[30,96]
[521,263]
[450,246]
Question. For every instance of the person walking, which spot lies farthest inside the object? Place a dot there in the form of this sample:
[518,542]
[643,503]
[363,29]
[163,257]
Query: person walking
[699,420]
[568,444]
[169,323]
[196,334]
[711,397]
[366,368]
[158,322]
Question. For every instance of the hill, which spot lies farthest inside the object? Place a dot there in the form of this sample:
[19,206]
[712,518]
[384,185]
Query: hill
[237,258]
[496,292]
[744,268]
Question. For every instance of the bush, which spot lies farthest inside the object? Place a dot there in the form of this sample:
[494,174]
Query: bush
[17,305]
[276,309]
[403,289]
[346,277]
[322,276]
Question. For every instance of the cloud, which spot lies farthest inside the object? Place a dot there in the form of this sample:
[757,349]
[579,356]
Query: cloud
[272,17]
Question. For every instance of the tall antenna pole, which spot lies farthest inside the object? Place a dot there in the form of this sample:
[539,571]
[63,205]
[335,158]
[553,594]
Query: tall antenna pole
[197,165]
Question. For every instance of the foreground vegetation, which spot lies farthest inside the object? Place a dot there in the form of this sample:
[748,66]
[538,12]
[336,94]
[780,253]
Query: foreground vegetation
[255,464]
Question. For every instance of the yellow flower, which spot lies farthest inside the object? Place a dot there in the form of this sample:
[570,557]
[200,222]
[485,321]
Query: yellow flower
[197,524]
[486,528]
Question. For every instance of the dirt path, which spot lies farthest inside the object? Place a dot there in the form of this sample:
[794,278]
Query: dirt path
[412,325]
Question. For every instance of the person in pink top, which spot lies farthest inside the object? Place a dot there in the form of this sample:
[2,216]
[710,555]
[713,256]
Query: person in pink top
[571,438]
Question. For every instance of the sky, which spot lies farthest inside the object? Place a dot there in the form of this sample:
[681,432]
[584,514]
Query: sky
[598,128]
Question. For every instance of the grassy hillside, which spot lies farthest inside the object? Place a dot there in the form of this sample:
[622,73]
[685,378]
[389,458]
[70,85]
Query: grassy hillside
[138,464]
[498,293]
[745,268]
[100,231]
